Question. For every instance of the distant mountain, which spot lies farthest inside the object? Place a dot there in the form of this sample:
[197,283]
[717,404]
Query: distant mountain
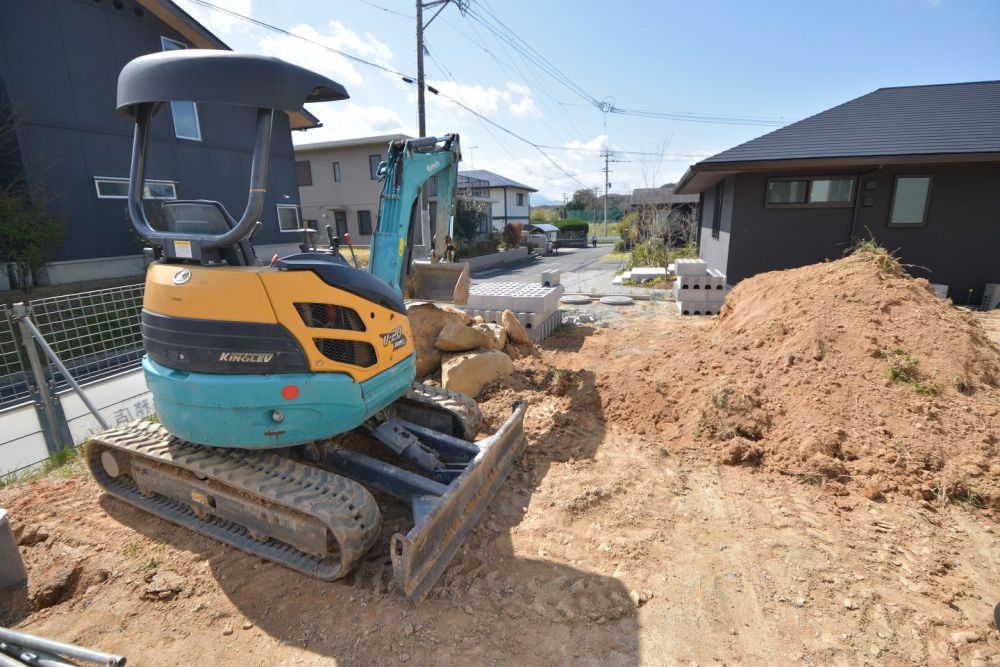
[538,200]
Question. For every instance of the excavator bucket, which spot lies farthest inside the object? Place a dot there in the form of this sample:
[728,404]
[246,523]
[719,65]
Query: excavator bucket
[443,513]
[439,281]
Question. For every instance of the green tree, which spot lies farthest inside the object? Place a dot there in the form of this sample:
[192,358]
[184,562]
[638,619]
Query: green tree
[471,216]
[28,231]
[583,199]
[28,235]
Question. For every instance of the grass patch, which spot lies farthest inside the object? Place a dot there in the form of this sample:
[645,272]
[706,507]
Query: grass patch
[903,368]
[616,256]
[64,463]
[132,549]
[870,250]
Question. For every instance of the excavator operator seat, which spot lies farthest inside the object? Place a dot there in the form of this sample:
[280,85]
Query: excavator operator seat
[205,217]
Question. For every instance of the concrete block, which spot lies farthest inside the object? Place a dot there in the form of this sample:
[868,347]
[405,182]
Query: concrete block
[688,308]
[691,295]
[690,267]
[991,296]
[644,273]
[518,297]
[546,328]
[693,282]
[529,321]
[717,279]
[550,278]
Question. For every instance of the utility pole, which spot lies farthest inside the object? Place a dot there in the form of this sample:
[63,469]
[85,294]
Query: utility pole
[421,121]
[421,26]
[607,154]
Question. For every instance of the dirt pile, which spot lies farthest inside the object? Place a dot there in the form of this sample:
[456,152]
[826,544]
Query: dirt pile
[848,373]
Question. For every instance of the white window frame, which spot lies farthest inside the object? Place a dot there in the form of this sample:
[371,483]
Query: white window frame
[167,44]
[98,180]
[298,217]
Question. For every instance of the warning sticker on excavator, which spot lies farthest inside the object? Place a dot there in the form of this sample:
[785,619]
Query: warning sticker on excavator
[183,249]
[401,245]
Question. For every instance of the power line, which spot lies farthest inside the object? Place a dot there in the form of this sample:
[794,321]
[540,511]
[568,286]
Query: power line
[408,79]
[699,117]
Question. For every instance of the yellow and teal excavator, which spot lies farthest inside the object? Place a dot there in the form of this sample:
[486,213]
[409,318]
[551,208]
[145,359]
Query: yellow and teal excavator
[255,368]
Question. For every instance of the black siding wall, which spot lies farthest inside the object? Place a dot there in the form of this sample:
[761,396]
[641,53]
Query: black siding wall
[59,63]
[958,246]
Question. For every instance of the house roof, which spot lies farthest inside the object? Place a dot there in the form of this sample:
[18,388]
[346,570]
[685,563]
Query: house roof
[660,196]
[496,180]
[381,140]
[543,227]
[202,38]
[957,121]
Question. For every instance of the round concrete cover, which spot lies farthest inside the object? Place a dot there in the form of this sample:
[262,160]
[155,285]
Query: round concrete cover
[575,299]
[617,300]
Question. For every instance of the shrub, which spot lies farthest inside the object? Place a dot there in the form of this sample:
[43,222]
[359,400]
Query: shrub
[511,235]
[573,226]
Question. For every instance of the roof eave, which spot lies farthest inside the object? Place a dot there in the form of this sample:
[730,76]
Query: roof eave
[183,23]
[701,176]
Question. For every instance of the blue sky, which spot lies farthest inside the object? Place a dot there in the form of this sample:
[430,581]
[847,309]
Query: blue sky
[770,62]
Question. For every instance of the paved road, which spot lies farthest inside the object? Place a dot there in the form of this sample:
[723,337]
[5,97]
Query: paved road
[582,271]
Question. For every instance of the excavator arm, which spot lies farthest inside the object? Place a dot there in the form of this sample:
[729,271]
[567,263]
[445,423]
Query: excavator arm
[410,164]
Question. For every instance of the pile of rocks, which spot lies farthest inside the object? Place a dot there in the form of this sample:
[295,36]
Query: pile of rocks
[699,290]
[468,350]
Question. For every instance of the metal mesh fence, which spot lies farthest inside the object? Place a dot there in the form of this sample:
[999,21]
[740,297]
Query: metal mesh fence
[15,387]
[95,334]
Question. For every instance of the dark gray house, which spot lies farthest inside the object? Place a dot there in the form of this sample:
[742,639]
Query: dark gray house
[916,167]
[59,64]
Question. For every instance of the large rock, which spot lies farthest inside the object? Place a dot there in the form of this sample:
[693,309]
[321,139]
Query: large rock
[426,322]
[456,337]
[514,328]
[469,373]
[496,333]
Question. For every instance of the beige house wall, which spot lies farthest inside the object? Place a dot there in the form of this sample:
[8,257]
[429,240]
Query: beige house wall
[355,192]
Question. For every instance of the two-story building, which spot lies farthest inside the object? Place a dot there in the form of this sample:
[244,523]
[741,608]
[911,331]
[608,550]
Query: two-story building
[338,185]
[59,65]
[511,200]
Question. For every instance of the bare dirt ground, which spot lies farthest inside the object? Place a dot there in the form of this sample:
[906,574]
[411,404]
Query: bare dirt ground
[707,490]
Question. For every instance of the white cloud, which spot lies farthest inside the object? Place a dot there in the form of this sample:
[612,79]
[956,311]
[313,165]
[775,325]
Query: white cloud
[481,100]
[523,107]
[216,21]
[485,100]
[318,59]
[349,120]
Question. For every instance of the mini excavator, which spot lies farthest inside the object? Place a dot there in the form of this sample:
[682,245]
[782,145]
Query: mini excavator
[257,368]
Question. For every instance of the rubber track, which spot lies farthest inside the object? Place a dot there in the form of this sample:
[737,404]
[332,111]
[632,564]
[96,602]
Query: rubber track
[460,405]
[344,507]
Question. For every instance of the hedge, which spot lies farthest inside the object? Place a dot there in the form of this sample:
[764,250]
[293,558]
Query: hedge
[573,226]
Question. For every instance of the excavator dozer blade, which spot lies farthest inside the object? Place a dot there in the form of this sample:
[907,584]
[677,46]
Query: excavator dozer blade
[443,514]
[439,281]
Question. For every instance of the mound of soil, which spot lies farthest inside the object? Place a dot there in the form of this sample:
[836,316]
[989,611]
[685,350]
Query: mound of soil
[849,373]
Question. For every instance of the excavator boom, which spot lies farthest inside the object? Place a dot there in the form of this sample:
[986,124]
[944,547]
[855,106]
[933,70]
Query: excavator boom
[410,164]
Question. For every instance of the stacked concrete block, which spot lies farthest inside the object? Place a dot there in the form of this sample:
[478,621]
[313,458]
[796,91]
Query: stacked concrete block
[550,278]
[535,306]
[699,290]
[517,297]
